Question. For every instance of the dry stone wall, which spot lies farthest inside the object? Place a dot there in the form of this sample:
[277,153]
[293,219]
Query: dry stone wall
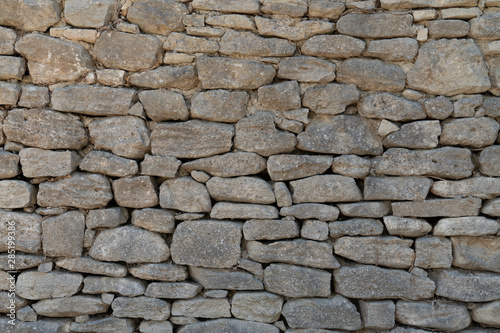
[305,166]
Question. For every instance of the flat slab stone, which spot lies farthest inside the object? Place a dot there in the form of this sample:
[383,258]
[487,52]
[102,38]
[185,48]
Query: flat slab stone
[232,6]
[388,106]
[408,227]
[159,272]
[219,105]
[159,220]
[174,290]
[141,307]
[327,188]
[20,14]
[108,324]
[231,164]
[124,286]
[70,306]
[202,308]
[311,211]
[224,279]
[297,31]
[38,285]
[396,49]
[270,229]
[236,43]
[476,253]
[479,187]
[182,77]
[108,164]
[356,227]
[241,211]
[333,46]
[352,166]
[256,306]
[106,218]
[229,325]
[16,194]
[157,17]
[288,167]
[467,286]
[306,69]
[184,43]
[486,313]
[89,265]
[379,25]
[28,237]
[396,188]
[438,207]
[23,261]
[473,132]
[466,226]
[285,7]
[485,26]
[366,209]
[417,135]
[410,4]
[241,189]
[42,163]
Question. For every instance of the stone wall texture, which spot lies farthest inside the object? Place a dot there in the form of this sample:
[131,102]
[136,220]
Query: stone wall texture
[249,166]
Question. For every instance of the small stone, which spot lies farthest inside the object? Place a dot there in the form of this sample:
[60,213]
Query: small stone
[123,286]
[90,14]
[141,307]
[386,127]
[7,40]
[136,192]
[232,6]
[448,29]
[11,68]
[130,244]
[472,132]
[351,166]
[356,227]
[108,324]
[241,189]
[297,281]
[326,9]
[159,272]
[251,266]
[467,106]
[476,253]
[484,314]
[417,135]
[333,46]
[37,285]
[331,98]
[106,218]
[281,96]
[228,279]
[34,97]
[20,14]
[230,210]
[270,229]
[28,236]
[156,327]
[311,211]
[157,17]
[315,230]
[378,314]
[438,207]
[407,227]
[438,107]
[256,306]
[178,58]
[177,290]
[460,13]
[200,176]
[183,43]
[88,265]
[491,207]
[388,106]
[228,165]
[325,189]
[182,77]
[484,27]
[433,252]
[9,165]
[379,25]
[233,21]
[396,188]
[158,220]
[162,166]
[489,161]
[292,31]
[202,308]
[42,163]
[288,167]
[219,105]
[26,314]
[23,261]
[63,235]
[236,43]
[9,93]
[111,77]
[283,195]
[16,194]
[108,164]
[397,49]
[185,194]
[306,69]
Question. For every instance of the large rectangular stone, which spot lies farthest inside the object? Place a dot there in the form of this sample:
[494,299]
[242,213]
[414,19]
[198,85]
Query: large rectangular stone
[397,188]
[325,188]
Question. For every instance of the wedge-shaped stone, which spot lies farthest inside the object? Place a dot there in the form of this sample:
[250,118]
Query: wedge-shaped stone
[446,162]
[388,106]
[219,105]
[41,163]
[435,315]
[184,43]
[342,134]
[385,251]
[157,17]
[228,165]
[192,139]
[333,46]
[63,234]
[51,60]
[335,312]
[270,229]
[236,43]
[70,306]
[38,285]
[351,281]
[487,314]
[225,73]
[116,49]
[485,26]
[466,226]
[331,98]
[241,211]
[396,188]
[44,129]
[489,161]
[123,286]
[417,135]
[168,290]
[28,235]
[207,243]
[297,31]
[325,188]
[232,6]
[241,189]
[130,244]
[311,211]
[438,207]
[397,49]
[90,14]
[356,227]
[467,286]
[491,207]
[141,307]
[306,69]
[233,21]
[366,209]
[159,272]
[297,281]
[472,132]
[479,187]
[410,4]
[108,164]
[81,190]
[256,306]
[299,252]
[467,74]
[288,167]
[476,253]
[21,14]
[407,227]
[16,194]
[202,308]
[185,194]
[380,25]
[88,265]
[108,324]
[224,279]
[182,77]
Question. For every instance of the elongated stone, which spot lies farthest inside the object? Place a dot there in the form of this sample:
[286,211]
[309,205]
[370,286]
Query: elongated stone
[141,307]
[232,164]
[467,286]
[331,98]
[410,4]
[366,209]
[306,69]
[327,188]
[157,17]
[270,229]
[232,6]
[159,272]
[484,27]
[227,279]
[124,286]
[285,7]
[108,324]
[190,44]
[408,227]
[486,313]
[231,210]
[182,77]
[88,265]
[396,188]
[202,308]
[379,25]
[288,167]
[70,306]
[311,211]
[219,105]
[356,227]
[41,163]
[472,132]
[388,106]
[235,43]
[241,189]
[295,32]
[108,164]
[333,46]
[466,226]
[438,207]
[476,253]
[479,187]
[229,325]
[256,306]
[396,49]
[417,135]
[372,74]
[38,285]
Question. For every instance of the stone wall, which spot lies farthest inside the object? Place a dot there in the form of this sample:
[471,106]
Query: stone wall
[242,166]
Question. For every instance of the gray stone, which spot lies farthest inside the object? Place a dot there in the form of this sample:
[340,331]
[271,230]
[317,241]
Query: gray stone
[229,325]
[333,46]
[487,314]
[111,77]
[299,252]
[20,14]
[158,220]
[434,315]
[130,244]
[219,105]
[182,77]
[207,243]
[231,210]
[16,194]
[105,325]
[47,325]
[63,234]
[106,218]
[472,132]
[467,74]
[108,164]
[480,187]
[28,237]
[416,135]
[241,189]
[226,279]
[342,134]
[326,189]
[233,21]
[156,327]
[286,7]
[306,69]
[351,281]
[7,40]
[491,207]
[9,165]
[124,286]
[11,68]
[192,139]
[93,100]
[467,106]
[42,163]
[9,93]
[396,188]
[256,306]
[13,301]
[27,314]
[489,161]
[51,60]
[157,17]
[185,194]
[438,107]
[288,167]
[88,265]
[326,9]
[377,314]
[388,106]
[175,290]
[116,49]
[80,190]
[314,230]
[297,281]
[397,49]
[228,165]
[466,286]
[446,162]
[270,229]
[183,43]
[438,207]
[476,253]
[202,308]
[38,285]
[162,166]
[44,129]
[356,227]
[311,211]
[466,226]
[108,134]
[89,13]
[225,73]
[406,227]
[236,43]
[410,4]
[294,31]
[70,306]
[141,307]
[23,261]
[485,26]
[352,166]
[232,6]
[164,105]
[433,252]
[331,98]
[379,25]
[159,272]
[281,96]
[136,192]
[448,29]
[335,312]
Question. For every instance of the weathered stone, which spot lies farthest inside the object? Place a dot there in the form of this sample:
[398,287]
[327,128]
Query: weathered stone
[446,162]
[162,166]
[331,98]
[185,194]
[306,69]
[141,307]
[491,207]
[90,14]
[41,163]
[388,106]
[81,190]
[288,167]
[158,220]
[63,235]
[224,73]
[327,9]
[366,209]
[235,43]
[476,253]
[232,6]
[448,29]
[466,226]
[241,189]
[70,306]
[231,210]
[28,236]
[183,77]
[191,139]
[352,166]
[281,96]
[106,218]
[439,207]
[487,314]
[326,189]
[44,129]
[9,165]
[380,25]
[407,227]
[467,74]
[397,49]
[410,4]
[467,106]
[11,68]
[438,107]
[396,188]
[229,325]
[23,261]
[233,21]
[168,290]
[270,229]
[480,187]
[9,93]
[157,17]
[256,306]
[217,243]
[491,106]
[314,230]
[123,286]
[466,286]
[7,40]
[228,165]
[335,312]
[286,7]
[489,161]
[108,164]
[351,281]
[293,31]
[183,43]
[52,60]
[224,279]
[472,132]
[433,252]
[356,227]
[311,211]
[16,194]
[377,314]
[435,315]
[135,192]
[485,27]
[21,14]
[37,285]
[202,308]
[111,77]
[333,46]
[416,135]
[297,281]
[105,325]
[130,244]
[108,133]
[219,105]
[154,326]
[88,265]
[11,302]
[47,325]
[283,195]
[159,272]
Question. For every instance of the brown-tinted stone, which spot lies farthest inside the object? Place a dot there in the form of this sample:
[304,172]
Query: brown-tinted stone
[333,46]
[157,17]
[28,15]
[379,25]
[182,77]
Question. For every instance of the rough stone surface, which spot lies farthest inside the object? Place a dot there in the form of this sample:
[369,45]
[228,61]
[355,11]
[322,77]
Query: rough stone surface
[227,279]
[378,314]
[141,307]
[270,229]
[28,237]
[105,325]
[157,17]
[297,281]
[438,207]
[433,252]
[465,286]
[388,106]
[123,286]
[489,161]
[42,163]
[258,306]
[331,98]
[219,105]
[231,210]
[185,194]
[356,227]
[135,192]
[417,135]
[182,77]
[235,43]
[16,194]
[476,253]
[179,290]
[466,226]
[306,69]
[408,227]
[108,164]
[480,187]
[396,188]
[485,27]
[381,25]
[11,68]
[228,165]
[238,6]
[229,325]
[289,167]
[70,306]
[37,285]
[438,107]
[486,314]
[88,13]
[293,31]
[164,105]
[202,308]
[326,189]
[88,265]
[63,234]
[333,46]
[9,165]
[311,211]
[397,49]
[472,132]
[241,189]
[158,220]
[159,272]
[19,14]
